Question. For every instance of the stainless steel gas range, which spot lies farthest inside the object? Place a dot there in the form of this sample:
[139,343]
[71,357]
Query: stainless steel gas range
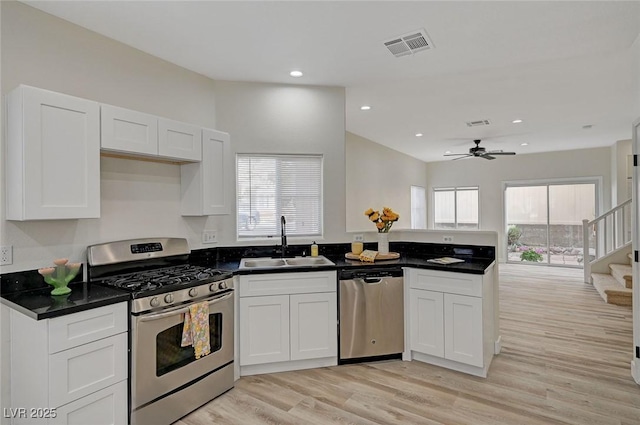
[166,380]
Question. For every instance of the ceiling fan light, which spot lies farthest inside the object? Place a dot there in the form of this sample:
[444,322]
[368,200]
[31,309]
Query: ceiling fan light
[365,107]
[518,121]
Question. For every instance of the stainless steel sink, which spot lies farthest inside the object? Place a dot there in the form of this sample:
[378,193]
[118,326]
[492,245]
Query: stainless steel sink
[309,261]
[276,263]
[261,262]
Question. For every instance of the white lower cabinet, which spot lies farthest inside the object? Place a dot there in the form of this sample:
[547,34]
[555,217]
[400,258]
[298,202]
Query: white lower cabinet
[313,325]
[105,407]
[72,369]
[450,319]
[295,328]
[264,329]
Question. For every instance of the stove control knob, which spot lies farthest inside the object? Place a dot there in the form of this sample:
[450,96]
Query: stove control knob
[213,287]
[155,302]
[193,292]
[168,298]
[222,285]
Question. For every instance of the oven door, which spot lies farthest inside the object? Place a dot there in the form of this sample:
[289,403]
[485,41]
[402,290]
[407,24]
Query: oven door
[160,365]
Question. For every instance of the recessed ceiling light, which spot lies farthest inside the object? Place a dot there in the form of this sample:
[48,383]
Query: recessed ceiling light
[524,144]
[365,107]
[296,74]
[587,127]
[516,121]
[447,151]
[419,134]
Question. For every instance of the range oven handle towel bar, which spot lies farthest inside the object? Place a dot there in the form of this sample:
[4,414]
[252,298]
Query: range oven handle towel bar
[173,312]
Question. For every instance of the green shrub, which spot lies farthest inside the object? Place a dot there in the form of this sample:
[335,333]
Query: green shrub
[513,234]
[531,255]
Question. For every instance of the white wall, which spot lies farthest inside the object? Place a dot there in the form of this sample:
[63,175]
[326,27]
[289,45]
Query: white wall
[620,184]
[378,177]
[275,119]
[489,175]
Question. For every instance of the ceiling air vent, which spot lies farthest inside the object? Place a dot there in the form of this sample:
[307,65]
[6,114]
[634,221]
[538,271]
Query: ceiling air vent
[408,44]
[478,123]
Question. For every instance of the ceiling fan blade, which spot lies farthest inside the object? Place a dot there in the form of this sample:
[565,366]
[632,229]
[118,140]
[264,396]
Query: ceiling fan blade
[462,157]
[501,153]
[456,154]
[486,156]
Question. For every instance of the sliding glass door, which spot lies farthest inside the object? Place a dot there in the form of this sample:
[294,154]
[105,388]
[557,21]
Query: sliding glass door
[544,221]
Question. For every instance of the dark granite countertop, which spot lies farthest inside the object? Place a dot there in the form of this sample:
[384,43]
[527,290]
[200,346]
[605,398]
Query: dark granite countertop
[40,304]
[27,293]
[470,265]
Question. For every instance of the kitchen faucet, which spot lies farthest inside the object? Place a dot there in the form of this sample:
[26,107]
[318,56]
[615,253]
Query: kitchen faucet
[283,235]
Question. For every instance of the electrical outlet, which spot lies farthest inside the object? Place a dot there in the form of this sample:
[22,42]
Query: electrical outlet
[448,239]
[6,255]
[209,236]
[358,238]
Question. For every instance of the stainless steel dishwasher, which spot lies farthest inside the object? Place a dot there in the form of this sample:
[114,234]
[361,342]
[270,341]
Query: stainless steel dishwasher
[371,314]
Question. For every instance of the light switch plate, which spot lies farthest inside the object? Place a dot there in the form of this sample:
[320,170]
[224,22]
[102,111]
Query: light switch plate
[209,236]
[447,239]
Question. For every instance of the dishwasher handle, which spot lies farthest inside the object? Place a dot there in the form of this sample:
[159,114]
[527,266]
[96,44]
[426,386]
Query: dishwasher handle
[372,280]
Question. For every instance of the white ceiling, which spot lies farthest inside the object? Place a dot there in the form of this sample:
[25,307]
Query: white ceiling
[556,65]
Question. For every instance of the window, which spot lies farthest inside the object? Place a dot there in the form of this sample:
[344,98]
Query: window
[418,208]
[455,208]
[271,186]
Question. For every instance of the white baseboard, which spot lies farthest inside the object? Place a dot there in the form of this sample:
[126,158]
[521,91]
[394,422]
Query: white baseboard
[635,371]
[497,345]
[259,369]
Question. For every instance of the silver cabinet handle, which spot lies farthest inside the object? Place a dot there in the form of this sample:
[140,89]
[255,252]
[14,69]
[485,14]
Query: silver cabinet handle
[181,310]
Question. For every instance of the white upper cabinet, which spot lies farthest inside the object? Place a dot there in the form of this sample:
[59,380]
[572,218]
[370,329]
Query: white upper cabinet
[137,133]
[179,140]
[53,156]
[124,130]
[205,186]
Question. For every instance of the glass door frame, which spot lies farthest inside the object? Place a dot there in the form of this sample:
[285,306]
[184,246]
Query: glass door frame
[599,200]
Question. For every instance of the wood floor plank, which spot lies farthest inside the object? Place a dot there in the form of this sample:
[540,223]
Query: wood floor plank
[565,360]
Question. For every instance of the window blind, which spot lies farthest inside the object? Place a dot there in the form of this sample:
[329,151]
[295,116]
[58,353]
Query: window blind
[271,186]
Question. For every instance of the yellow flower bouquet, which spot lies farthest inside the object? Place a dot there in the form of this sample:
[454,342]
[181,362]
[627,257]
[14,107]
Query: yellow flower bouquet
[383,221]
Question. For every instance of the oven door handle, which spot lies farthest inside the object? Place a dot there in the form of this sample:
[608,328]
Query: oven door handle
[158,316]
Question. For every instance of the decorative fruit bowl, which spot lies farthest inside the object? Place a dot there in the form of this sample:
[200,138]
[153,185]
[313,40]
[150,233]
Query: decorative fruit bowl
[60,275]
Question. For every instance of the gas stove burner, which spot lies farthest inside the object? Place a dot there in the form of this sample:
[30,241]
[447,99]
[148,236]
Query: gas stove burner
[165,277]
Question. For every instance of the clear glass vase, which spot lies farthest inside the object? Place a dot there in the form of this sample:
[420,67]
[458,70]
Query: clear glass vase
[383,243]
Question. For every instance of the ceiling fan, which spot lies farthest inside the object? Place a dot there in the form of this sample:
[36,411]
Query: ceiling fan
[479,152]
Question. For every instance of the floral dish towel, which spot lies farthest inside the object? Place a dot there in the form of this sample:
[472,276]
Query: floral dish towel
[196,329]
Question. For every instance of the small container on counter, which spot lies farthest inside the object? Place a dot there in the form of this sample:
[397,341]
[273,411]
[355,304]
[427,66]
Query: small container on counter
[314,249]
[357,248]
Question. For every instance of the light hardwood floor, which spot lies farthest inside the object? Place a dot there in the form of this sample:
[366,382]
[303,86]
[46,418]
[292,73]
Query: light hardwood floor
[565,360]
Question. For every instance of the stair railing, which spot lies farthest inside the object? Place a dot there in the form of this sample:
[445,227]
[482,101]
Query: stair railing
[605,234]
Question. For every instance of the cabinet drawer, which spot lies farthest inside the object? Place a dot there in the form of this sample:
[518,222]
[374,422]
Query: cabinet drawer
[104,407]
[87,326]
[448,282]
[79,371]
[287,283]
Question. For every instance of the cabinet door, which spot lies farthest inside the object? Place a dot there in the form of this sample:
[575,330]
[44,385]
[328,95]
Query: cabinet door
[124,130]
[104,407]
[206,185]
[264,329]
[53,156]
[427,324]
[463,329]
[178,140]
[79,371]
[314,332]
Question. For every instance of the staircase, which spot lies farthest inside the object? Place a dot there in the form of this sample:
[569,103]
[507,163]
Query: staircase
[616,286]
[607,241]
